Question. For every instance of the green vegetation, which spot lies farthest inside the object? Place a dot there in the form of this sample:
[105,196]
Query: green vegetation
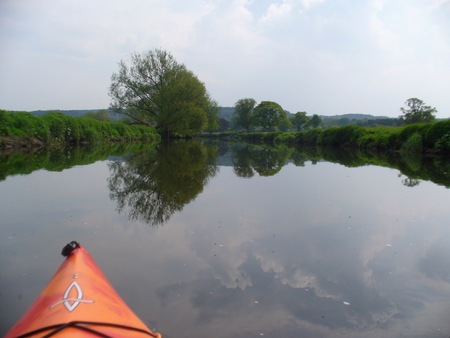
[415,138]
[101,115]
[418,112]
[243,113]
[269,114]
[58,129]
[299,120]
[153,89]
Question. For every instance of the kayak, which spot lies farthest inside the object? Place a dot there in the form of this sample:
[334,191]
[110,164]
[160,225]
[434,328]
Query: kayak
[79,302]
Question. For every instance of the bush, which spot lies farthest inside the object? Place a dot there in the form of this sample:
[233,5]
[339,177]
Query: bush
[443,144]
[436,132]
[313,136]
[413,144]
[60,128]
[342,136]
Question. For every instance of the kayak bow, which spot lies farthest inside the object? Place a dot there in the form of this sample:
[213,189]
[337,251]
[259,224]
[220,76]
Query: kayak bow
[79,302]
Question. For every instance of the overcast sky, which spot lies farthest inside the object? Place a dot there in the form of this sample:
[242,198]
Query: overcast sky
[324,57]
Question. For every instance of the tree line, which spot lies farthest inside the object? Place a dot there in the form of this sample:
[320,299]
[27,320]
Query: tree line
[155,90]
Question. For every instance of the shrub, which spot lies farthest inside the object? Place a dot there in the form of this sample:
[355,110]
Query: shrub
[443,144]
[313,136]
[413,144]
[436,131]
[60,128]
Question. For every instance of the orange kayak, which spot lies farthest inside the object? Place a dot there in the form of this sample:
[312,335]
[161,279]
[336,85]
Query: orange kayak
[79,302]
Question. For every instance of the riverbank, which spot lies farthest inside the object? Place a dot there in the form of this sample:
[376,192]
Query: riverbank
[416,138]
[24,130]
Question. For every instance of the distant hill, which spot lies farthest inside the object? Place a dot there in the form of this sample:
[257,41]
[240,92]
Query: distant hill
[226,112]
[356,117]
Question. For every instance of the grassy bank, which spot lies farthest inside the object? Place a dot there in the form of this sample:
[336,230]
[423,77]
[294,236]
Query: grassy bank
[416,138]
[27,130]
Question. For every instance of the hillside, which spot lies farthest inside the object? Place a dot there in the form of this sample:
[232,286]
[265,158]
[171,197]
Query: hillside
[225,112]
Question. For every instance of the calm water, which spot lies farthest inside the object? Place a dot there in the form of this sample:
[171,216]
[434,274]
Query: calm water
[237,241]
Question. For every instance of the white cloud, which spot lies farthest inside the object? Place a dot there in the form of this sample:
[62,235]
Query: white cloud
[387,39]
[309,3]
[276,11]
[240,48]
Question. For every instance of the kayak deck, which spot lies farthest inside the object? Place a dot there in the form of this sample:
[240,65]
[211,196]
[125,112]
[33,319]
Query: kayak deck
[79,302]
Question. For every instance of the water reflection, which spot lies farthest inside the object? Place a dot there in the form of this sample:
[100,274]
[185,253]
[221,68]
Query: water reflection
[246,159]
[312,251]
[26,161]
[151,186]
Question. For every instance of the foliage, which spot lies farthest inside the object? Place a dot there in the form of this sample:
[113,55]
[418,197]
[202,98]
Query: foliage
[341,136]
[288,138]
[212,111]
[59,128]
[312,136]
[224,125]
[299,120]
[413,144]
[418,112]
[315,121]
[432,137]
[435,132]
[243,113]
[101,115]
[154,89]
[443,144]
[269,114]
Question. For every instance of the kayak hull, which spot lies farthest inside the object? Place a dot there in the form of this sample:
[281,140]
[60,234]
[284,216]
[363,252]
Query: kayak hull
[79,302]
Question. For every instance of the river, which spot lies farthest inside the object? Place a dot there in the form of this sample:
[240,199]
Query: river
[227,240]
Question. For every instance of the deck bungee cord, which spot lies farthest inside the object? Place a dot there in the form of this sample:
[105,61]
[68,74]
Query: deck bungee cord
[79,302]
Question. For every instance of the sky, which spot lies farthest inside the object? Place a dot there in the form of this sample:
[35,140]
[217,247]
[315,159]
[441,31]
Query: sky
[326,57]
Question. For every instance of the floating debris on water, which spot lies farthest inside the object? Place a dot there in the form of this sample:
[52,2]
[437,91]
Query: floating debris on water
[346,303]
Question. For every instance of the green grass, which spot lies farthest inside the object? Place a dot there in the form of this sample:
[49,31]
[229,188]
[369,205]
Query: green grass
[415,138]
[59,128]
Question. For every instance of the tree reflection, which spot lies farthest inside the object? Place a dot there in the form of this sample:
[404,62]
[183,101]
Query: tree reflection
[153,185]
[265,161]
[409,182]
[268,162]
[242,162]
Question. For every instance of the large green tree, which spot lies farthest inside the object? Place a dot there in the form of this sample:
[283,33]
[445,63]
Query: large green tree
[417,112]
[154,89]
[269,114]
[243,113]
[299,120]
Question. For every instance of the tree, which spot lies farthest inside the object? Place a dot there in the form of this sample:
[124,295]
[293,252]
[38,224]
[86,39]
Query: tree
[299,120]
[315,121]
[154,89]
[418,112]
[212,114]
[101,115]
[269,114]
[243,113]
[223,124]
